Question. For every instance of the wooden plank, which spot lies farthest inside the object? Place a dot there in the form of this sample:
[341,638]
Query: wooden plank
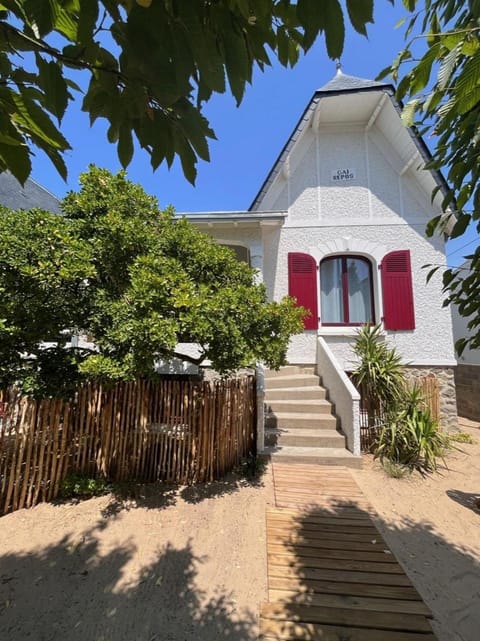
[345,576]
[350,565]
[353,602]
[328,543]
[338,511]
[325,494]
[318,517]
[296,585]
[298,555]
[292,631]
[345,533]
[345,616]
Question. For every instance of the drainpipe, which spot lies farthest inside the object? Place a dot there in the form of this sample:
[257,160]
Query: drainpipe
[260,407]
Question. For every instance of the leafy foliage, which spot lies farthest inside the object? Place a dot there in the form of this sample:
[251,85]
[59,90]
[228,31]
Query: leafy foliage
[379,372]
[82,487]
[134,279]
[411,437]
[442,87]
[151,64]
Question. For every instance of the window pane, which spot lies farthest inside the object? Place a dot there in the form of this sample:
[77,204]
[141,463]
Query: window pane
[359,291]
[331,291]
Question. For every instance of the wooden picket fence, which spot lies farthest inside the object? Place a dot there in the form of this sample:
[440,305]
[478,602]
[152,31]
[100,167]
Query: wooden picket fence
[169,430]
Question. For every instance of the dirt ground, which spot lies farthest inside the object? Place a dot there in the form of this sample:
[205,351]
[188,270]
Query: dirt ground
[188,564]
[432,524]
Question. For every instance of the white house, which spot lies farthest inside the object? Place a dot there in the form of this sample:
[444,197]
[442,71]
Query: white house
[339,223]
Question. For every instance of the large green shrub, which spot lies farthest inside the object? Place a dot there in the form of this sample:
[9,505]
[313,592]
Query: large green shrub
[406,434]
[410,436]
[378,374]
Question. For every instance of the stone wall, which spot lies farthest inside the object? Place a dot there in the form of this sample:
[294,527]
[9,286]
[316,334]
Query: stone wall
[467,380]
[446,385]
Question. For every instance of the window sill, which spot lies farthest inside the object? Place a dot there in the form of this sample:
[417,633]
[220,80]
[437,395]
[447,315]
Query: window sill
[339,330]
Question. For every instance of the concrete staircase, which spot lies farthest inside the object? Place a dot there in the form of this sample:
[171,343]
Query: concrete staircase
[300,425]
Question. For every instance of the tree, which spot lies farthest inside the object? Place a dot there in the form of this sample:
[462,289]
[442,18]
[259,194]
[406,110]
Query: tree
[151,65]
[133,278]
[442,87]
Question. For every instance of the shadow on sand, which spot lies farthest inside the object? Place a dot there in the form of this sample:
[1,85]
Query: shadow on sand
[332,564]
[73,591]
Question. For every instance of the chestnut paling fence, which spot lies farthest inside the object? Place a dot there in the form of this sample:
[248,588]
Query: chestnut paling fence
[370,425]
[168,430]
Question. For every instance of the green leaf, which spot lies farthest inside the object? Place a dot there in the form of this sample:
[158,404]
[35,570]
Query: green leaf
[33,120]
[54,86]
[467,87]
[125,145]
[460,227]
[17,159]
[64,21]
[334,28]
[87,19]
[39,14]
[431,272]
[447,67]
[408,113]
[310,16]
[360,13]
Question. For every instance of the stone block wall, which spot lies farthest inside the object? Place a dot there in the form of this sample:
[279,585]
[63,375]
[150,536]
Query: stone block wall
[447,395]
[467,381]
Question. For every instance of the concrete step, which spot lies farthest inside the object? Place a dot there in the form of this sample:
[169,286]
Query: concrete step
[304,438]
[293,420]
[294,380]
[311,392]
[320,405]
[290,370]
[313,455]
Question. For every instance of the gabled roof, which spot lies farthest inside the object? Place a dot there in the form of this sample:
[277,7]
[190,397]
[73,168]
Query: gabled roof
[31,195]
[342,84]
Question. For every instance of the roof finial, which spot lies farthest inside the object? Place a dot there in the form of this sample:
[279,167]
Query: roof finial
[338,64]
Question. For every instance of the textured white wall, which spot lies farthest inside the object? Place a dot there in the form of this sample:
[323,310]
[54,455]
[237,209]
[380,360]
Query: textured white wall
[377,212]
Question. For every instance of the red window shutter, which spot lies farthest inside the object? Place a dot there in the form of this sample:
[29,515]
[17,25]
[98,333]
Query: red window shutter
[302,285]
[398,309]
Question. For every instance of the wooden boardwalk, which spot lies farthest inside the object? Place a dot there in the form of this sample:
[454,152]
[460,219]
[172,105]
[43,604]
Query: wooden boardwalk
[331,576]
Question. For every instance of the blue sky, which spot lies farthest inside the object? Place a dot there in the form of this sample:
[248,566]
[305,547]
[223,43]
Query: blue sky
[249,137]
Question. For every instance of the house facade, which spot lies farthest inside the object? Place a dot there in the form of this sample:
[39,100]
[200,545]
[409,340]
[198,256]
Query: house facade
[339,223]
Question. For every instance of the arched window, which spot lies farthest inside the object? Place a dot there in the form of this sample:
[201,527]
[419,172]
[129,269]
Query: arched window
[346,291]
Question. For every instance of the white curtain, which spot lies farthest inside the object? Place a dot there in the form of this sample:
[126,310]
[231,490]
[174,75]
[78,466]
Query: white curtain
[359,291]
[331,291]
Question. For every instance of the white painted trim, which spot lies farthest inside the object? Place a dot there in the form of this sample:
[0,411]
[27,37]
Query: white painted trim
[409,163]
[315,121]
[359,222]
[319,190]
[376,112]
[346,245]
[338,331]
[432,363]
[369,185]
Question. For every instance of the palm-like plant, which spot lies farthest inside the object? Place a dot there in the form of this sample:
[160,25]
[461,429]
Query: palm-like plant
[378,374]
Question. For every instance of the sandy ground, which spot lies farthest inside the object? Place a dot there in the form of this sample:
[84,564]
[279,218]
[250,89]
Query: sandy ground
[189,564]
[433,526]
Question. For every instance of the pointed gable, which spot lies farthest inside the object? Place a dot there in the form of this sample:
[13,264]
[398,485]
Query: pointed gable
[350,101]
